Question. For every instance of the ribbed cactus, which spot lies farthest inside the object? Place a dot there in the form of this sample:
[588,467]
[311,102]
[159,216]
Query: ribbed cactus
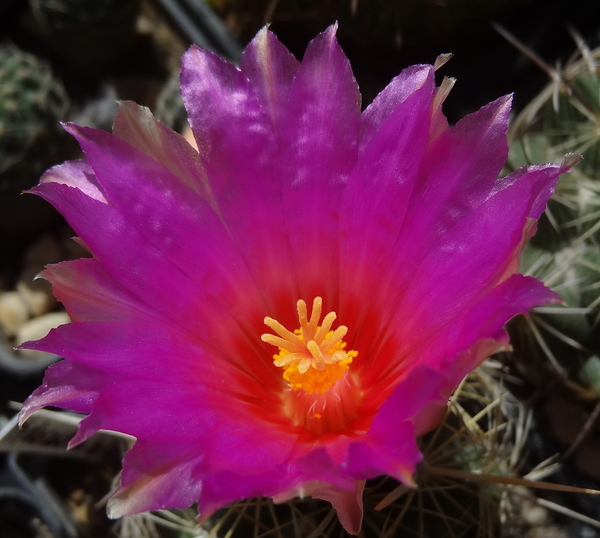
[565,253]
[32,103]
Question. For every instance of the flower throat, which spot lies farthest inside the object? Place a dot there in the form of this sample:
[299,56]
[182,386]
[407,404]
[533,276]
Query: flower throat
[313,357]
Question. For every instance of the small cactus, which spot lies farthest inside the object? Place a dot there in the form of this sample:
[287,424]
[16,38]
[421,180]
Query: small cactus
[32,103]
[565,253]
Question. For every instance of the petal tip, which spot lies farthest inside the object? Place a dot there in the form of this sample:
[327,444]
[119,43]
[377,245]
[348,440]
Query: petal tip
[570,160]
[115,508]
[441,60]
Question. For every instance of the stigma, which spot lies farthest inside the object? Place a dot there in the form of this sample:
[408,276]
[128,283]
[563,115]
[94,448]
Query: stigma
[313,356]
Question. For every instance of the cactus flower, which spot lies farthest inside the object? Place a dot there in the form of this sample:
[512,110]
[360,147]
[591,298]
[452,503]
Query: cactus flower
[284,310]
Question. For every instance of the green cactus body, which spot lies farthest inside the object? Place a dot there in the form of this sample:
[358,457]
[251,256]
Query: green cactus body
[565,253]
[32,103]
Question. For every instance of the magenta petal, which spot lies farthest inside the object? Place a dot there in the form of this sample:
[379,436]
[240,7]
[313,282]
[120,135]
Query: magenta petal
[479,334]
[76,174]
[137,126]
[270,68]
[138,395]
[387,168]
[210,268]
[395,93]
[323,115]
[389,447]
[347,504]
[156,476]
[109,345]
[461,169]
[516,295]
[136,265]
[543,179]
[319,149]
[90,293]
[314,475]
[233,133]
[241,155]
[149,194]
[69,386]
[464,264]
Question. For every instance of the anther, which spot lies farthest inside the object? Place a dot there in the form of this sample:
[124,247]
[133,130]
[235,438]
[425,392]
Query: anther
[313,357]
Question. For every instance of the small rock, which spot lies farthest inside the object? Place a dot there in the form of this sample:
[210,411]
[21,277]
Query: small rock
[534,514]
[37,295]
[13,312]
[38,328]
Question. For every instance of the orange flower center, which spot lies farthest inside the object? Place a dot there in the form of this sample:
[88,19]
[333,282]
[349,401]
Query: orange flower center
[313,357]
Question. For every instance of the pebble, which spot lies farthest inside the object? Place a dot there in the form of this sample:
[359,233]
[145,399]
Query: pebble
[14,312]
[37,296]
[534,514]
[38,328]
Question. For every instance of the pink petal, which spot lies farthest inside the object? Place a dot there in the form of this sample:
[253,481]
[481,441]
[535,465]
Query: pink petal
[312,475]
[387,169]
[319,149]
[323,116]
[152,253]
[475,254]
[76,174]
[409,81]
[156,476]
[137,126]
[69,386]
[460,170]
[230,433]
[389,447]
[126,254]
[90,293]
[240,154]
[347,504]
[543,178]
[149,197]
[110,345]
[270,68]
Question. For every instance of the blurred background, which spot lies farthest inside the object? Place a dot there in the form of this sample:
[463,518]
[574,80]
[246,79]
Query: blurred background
[71,60]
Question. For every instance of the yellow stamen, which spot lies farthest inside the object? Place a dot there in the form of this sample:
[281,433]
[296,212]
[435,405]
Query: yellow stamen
[313,357]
